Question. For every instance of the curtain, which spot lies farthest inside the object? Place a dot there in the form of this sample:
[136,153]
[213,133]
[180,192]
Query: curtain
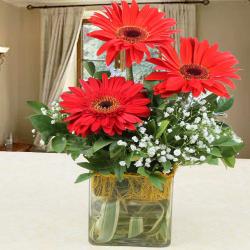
[60,32]
[185,16]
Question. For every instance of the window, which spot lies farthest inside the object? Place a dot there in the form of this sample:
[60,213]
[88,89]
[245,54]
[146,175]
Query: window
[87,48]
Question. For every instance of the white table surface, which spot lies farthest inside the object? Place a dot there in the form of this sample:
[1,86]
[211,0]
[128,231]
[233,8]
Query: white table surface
[42,209]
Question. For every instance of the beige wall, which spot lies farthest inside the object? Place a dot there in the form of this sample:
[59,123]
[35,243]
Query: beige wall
[20,74]
[229,25]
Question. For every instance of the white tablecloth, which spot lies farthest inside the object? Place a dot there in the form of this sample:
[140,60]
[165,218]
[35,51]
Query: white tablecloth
[42,209]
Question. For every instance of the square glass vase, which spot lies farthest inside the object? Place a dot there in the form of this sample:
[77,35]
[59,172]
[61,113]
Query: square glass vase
[130,212]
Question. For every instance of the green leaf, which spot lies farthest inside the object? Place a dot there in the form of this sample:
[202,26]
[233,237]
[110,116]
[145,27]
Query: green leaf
[128,159]
[116,151]
[36,106]
[162,128]
[157,180]
[59,143]
[229,161]
[162,106]
[42,123]
[84,177]
[212,161]
[85,165]
[75,154]
[135,157]
[119,172]
[96,167]
[224,104]
[229,143]
[164,138]
[61,127]
[103,230]
[90,67]
[237,148]
[99,74]
[135,227]
[149,84]
[216,152]
[142,171]
[225,141]
[101,143]
[167,165]
[152,127]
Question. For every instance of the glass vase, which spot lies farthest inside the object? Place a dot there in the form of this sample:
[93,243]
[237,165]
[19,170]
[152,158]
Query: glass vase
[130,212]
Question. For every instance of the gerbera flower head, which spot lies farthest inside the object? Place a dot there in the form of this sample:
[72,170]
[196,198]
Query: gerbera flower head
[111,105]
[199,68]
[126,28]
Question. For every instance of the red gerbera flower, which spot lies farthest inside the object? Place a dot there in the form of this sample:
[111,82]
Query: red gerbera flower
[112,105]
[128,28]
[200,67]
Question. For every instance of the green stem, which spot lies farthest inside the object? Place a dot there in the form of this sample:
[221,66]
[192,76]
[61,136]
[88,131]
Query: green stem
[129,73]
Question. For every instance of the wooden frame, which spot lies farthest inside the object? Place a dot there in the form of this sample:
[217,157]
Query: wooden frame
[119,61]
[80,51]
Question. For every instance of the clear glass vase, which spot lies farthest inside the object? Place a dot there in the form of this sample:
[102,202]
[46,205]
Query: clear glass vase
[131,212]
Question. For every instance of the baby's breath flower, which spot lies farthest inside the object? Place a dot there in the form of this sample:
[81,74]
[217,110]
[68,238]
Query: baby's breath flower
[142,130]
[217,130]
[168,150]
[202,158]
[122,163]
[203,109]
[142,144]
[42,142]
[44,111]
[151,152]
[177,152]
[187,114]
[177,137]
[135,139]
[166,114]
[162,159]
[170,110]
[139,163]
[133,147]
[122,143]
[182,123]
[170,157]
[203,102]
[205,115]
[188,126]
[55,116]
[197,120]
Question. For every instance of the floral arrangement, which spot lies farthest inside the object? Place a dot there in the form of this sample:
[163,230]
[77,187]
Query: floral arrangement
[176,116]
[132,134]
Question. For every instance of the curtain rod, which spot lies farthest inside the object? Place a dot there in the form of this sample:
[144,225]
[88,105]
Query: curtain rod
[31,7]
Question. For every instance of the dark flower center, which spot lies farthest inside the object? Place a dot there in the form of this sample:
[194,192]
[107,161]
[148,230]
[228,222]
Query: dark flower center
[194,71]
[132,34]
[105,104]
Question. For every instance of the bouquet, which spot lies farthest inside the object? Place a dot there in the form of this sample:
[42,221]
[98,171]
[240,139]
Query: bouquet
[126,129]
